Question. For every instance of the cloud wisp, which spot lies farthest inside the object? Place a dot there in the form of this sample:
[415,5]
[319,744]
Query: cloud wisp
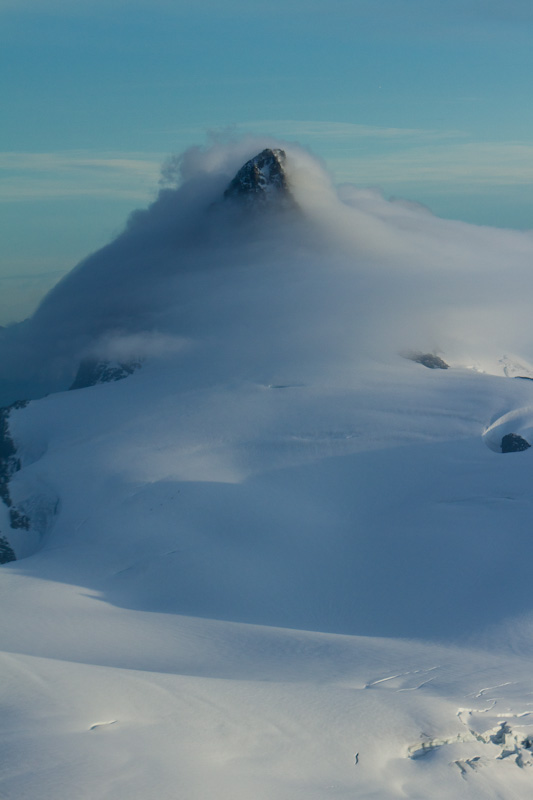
[464,164]
[345,131]
[30,176]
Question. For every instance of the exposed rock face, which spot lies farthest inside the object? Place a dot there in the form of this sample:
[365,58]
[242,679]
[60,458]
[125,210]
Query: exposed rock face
[9,464]
[6,552]
[429,360]
[92,372]
[513,443]
[261,180]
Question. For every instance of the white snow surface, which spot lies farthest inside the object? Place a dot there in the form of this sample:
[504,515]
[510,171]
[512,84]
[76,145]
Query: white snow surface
[281,560]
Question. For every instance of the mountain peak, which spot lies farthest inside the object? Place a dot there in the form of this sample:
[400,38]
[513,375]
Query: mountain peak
[262,179]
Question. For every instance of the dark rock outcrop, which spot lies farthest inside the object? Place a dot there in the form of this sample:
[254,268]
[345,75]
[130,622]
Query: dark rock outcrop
[6,552]
[92,372]
[9,464]
[261,180]
[429,360]
[513,443]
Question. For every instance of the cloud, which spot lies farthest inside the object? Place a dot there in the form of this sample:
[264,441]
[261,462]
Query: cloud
[114,346]
[468,164]
[28,176]
[307,292]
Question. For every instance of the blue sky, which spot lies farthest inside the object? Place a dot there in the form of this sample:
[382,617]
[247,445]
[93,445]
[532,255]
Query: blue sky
[425,99]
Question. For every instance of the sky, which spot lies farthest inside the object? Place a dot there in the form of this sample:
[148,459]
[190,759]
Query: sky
[423,100]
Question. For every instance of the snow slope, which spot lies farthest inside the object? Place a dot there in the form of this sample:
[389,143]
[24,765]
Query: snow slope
[280,558]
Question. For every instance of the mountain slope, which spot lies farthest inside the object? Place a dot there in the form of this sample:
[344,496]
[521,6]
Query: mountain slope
[279,557]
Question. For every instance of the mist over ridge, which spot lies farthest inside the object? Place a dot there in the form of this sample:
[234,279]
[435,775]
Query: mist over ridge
[343,274]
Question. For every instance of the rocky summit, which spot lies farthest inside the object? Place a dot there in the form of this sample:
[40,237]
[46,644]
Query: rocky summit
[261,179]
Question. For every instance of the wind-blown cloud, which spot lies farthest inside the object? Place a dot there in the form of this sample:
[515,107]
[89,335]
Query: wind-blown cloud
[348,275]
